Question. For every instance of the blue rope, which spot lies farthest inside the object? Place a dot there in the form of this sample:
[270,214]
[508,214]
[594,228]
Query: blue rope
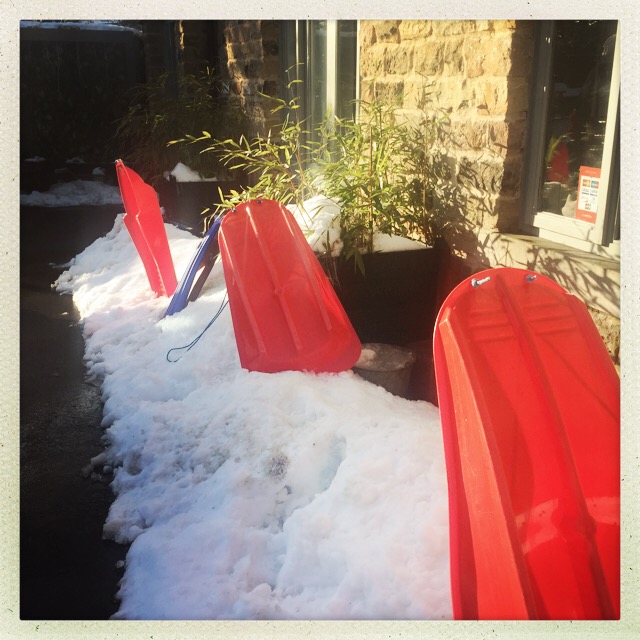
[193,343]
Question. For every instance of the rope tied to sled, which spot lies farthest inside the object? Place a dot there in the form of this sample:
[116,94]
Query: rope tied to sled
[195,341]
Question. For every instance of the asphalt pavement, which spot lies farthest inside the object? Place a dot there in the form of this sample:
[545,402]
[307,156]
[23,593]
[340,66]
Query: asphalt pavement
[67,571]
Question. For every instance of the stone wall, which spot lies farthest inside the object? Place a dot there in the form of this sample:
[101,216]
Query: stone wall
[253,65]
[198,45]
[159,38]
[478,71]
[184,46]
[244,52]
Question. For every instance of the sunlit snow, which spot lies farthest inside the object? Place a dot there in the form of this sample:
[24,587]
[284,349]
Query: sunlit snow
[247,495]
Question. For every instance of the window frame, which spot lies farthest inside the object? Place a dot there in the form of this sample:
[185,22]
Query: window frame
[598,237]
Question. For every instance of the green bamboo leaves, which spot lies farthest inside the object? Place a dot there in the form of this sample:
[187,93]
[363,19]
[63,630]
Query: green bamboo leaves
[388,174]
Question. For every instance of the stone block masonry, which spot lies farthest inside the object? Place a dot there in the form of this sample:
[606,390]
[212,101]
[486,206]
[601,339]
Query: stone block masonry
[252,53]
[477,71]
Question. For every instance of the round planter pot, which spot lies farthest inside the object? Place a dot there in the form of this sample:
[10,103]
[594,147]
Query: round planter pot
[387,366]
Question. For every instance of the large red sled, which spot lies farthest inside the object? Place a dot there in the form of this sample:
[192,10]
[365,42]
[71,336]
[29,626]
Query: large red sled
[530,407]
[143,220]
[285,313]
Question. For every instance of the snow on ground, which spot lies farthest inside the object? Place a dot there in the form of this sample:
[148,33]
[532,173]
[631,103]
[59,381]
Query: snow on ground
[247,495]
[76,192]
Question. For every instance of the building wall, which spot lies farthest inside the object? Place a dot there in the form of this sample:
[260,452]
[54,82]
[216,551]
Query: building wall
[251,49]
[160,53]
[186,46]
[479,72]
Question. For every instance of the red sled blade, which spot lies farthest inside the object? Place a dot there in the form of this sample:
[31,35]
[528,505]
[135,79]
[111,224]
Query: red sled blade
[530,408]
[286,315]
[143,220]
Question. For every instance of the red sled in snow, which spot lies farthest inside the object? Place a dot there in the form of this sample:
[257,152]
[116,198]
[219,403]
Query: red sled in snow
[530,408]
[145,225]
[285,313]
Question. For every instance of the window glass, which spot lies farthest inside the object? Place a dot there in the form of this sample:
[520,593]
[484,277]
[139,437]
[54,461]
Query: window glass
[577,117]
[317,72]
[324,54]
[347,80]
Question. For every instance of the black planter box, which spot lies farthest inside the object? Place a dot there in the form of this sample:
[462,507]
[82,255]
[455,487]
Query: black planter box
[394,301]
[184,202]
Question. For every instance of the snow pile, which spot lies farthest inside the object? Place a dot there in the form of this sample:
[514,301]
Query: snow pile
[76,192]
[384,242]
[91,25]
[182,173]
[249,495]
[319,218]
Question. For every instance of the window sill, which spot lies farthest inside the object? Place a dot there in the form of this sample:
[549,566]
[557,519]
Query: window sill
[571,233]
[592,278]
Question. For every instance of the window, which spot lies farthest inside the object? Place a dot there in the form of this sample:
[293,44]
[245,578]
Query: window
[571,194]
[326,54]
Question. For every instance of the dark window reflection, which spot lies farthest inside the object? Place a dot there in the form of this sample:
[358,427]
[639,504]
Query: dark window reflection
[582,66]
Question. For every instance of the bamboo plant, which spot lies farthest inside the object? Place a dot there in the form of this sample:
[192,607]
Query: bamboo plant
[383,171]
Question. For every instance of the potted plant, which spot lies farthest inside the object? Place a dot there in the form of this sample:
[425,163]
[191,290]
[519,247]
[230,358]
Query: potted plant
[386,178]
[163,116]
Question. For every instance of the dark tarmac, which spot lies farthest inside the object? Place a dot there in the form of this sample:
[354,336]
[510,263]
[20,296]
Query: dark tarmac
[67,571]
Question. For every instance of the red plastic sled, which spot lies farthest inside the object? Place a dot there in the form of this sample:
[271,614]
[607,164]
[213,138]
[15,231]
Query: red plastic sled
[145,225]
[285,313]
[530,408]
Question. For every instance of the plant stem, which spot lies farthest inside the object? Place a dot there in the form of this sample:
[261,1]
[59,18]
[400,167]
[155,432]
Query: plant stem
[370,189]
